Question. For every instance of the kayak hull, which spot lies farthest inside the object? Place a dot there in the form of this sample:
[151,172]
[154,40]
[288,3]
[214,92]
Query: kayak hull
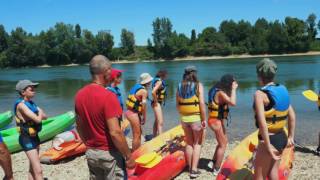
[72,149]
[50,128]
[5,119]
[69,149]
[172,163]
[238,165]
[168,168]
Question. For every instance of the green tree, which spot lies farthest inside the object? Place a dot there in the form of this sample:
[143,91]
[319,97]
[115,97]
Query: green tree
[277,38]
[3,38]
[16,51]
[210,42]
[258,37]
[244,31]
[63,32]
[297,35]
[56,57]
[229,29]
[312,29]
[104,43]
[178,44]
[34,52]
[193,37]
[4,61]
[90,41]
[149,46]
[127,42]
[78,31]
[162,30]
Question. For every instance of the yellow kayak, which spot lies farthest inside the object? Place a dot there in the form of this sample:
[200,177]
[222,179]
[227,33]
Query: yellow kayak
[239,163]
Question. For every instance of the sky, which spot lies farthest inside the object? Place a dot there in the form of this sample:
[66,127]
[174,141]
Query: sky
[137,15]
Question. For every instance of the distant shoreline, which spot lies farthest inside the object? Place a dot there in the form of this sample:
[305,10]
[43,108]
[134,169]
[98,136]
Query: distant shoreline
[243,56]
[192,58]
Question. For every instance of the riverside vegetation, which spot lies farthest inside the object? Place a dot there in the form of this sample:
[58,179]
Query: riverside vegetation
[67,44]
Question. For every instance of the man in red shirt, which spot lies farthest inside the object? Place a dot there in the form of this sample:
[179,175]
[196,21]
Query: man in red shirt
[97,111]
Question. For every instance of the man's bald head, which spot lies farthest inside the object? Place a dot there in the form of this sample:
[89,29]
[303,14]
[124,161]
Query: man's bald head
[99,64]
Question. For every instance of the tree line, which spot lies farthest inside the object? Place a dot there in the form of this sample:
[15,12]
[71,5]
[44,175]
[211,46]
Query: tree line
[65,43]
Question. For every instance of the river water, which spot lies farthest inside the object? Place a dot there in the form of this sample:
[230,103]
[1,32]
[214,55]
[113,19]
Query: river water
[58,86]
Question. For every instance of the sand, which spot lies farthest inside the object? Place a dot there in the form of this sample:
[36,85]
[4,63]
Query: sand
[306,165]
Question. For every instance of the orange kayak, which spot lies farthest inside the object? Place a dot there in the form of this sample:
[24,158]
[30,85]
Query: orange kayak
[71,149]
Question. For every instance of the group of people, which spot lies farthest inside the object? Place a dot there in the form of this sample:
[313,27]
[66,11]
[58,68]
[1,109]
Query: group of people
[99,112]
[99,109]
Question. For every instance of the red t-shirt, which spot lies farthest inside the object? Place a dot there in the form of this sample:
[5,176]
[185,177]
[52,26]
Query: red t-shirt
[94,105]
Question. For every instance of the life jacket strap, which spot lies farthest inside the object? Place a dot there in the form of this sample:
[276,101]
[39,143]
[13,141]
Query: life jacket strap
[195,103]
[275,118]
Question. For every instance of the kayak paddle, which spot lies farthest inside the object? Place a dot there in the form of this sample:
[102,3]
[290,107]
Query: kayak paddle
[310,95]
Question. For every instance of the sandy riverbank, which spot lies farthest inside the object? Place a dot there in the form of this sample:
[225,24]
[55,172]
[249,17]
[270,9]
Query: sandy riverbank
[243,56]
[306,165]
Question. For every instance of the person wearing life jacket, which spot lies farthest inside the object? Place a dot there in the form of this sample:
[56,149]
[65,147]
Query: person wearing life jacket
[191,107]
[273,112]
[115,80]
[136,108]
[220,97]
[159,91]
[29,123]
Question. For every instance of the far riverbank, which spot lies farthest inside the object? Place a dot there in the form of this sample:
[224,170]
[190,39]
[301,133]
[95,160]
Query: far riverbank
[193,58]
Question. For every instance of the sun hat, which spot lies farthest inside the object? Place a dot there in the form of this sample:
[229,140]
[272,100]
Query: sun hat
[266,68]
[145,78]
[23,84]
[115,73]
[190,68]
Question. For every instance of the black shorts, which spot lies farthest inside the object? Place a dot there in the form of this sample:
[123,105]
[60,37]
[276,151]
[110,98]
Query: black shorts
[28,143]
[278,140]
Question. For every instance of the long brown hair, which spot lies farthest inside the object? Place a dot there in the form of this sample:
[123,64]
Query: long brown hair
[225,83]
[162,73]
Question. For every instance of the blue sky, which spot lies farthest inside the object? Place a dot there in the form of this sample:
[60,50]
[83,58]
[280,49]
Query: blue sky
[137,15]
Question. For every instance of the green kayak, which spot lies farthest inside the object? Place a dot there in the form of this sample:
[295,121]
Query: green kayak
[50,127]
[5,119]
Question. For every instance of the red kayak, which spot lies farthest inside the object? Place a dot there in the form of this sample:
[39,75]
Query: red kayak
[168,157]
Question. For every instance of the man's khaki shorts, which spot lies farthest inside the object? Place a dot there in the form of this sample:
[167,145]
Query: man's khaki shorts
[106,165]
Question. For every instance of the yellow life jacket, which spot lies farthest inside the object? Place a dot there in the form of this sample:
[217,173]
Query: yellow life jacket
[277,115]
[28,128]
[132,102]
[189,103]
[216,111]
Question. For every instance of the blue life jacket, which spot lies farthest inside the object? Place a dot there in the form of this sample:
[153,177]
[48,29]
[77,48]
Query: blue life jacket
[278,96]
[276,113]
[162,91]
[117,92]
[29,127]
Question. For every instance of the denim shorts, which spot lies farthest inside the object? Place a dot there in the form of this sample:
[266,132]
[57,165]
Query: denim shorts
[28,143]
